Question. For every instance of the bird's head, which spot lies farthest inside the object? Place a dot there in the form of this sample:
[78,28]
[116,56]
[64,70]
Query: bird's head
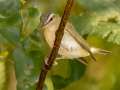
[47,18]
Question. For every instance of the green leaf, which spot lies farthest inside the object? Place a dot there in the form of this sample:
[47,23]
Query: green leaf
[2,75]
[32,11]
[9,10]
[59,82]
[29,52]
[24,67]
[77,70]
[48,84]
[9,21]
[101,19]
[30,19]
[10,35]
[6,7]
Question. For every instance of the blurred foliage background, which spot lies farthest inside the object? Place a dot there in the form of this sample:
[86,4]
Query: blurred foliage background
[23,49]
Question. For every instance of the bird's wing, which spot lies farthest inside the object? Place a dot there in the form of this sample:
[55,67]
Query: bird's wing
[79,39]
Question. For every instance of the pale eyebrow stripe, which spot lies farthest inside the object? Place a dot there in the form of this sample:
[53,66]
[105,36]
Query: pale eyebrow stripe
[49,17]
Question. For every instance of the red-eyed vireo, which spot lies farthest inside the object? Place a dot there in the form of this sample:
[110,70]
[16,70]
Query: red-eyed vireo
[72,44]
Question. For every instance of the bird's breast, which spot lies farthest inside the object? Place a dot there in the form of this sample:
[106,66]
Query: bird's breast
[69,48]
[49,34]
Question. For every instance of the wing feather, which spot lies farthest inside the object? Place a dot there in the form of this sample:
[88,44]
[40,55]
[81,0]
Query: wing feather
[79,39]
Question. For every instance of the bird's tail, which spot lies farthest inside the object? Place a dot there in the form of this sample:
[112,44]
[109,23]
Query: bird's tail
[100,51]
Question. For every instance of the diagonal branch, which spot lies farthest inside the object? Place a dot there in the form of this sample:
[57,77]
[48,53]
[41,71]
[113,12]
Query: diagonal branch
[59,34]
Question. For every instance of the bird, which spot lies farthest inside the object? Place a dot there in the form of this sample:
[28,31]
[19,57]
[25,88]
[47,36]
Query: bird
[73,45]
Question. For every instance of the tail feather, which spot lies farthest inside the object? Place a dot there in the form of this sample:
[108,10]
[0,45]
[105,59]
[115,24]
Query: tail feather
[105,52]
[100,51]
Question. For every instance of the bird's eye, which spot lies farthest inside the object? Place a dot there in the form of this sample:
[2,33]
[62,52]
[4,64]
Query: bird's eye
[51,19]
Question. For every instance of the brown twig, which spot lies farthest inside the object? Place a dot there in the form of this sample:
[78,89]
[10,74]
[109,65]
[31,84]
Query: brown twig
[59,34]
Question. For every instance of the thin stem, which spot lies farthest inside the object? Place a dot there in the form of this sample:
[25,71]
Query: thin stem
[59,34]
